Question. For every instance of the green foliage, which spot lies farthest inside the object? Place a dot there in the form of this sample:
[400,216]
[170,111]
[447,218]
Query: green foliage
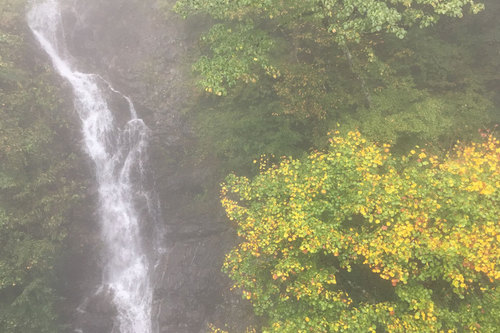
[345,21]
[242,127]
[356,240]
[401,112]
[348,19]
[35,188]
[235,52]
[343,61]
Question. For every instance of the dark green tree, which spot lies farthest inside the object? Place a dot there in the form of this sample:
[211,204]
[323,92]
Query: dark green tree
[36,190]
[367,64]
[241,43]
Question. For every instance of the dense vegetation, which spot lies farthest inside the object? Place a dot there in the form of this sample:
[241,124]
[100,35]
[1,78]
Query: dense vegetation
[287,72]
[36,190]
[362,230]
[357,240]
[370,232]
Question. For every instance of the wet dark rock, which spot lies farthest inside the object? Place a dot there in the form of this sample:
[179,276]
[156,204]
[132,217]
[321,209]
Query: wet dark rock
[96,313]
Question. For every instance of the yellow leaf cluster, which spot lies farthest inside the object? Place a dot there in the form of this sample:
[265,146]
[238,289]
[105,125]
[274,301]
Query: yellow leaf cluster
[406,218]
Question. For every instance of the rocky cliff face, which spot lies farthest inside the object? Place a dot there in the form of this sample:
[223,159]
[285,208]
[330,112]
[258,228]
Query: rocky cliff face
[143,54]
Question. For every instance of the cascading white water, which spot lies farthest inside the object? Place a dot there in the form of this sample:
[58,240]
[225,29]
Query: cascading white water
[117,154]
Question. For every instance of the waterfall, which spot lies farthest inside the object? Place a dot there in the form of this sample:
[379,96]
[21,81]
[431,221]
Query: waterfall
[118,154]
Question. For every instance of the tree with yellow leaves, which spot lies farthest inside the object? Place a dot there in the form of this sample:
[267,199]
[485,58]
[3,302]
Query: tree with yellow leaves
[357,240]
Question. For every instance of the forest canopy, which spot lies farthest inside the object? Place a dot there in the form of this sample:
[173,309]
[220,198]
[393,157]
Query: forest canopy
[392,226]
[281,66]
[355,239]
